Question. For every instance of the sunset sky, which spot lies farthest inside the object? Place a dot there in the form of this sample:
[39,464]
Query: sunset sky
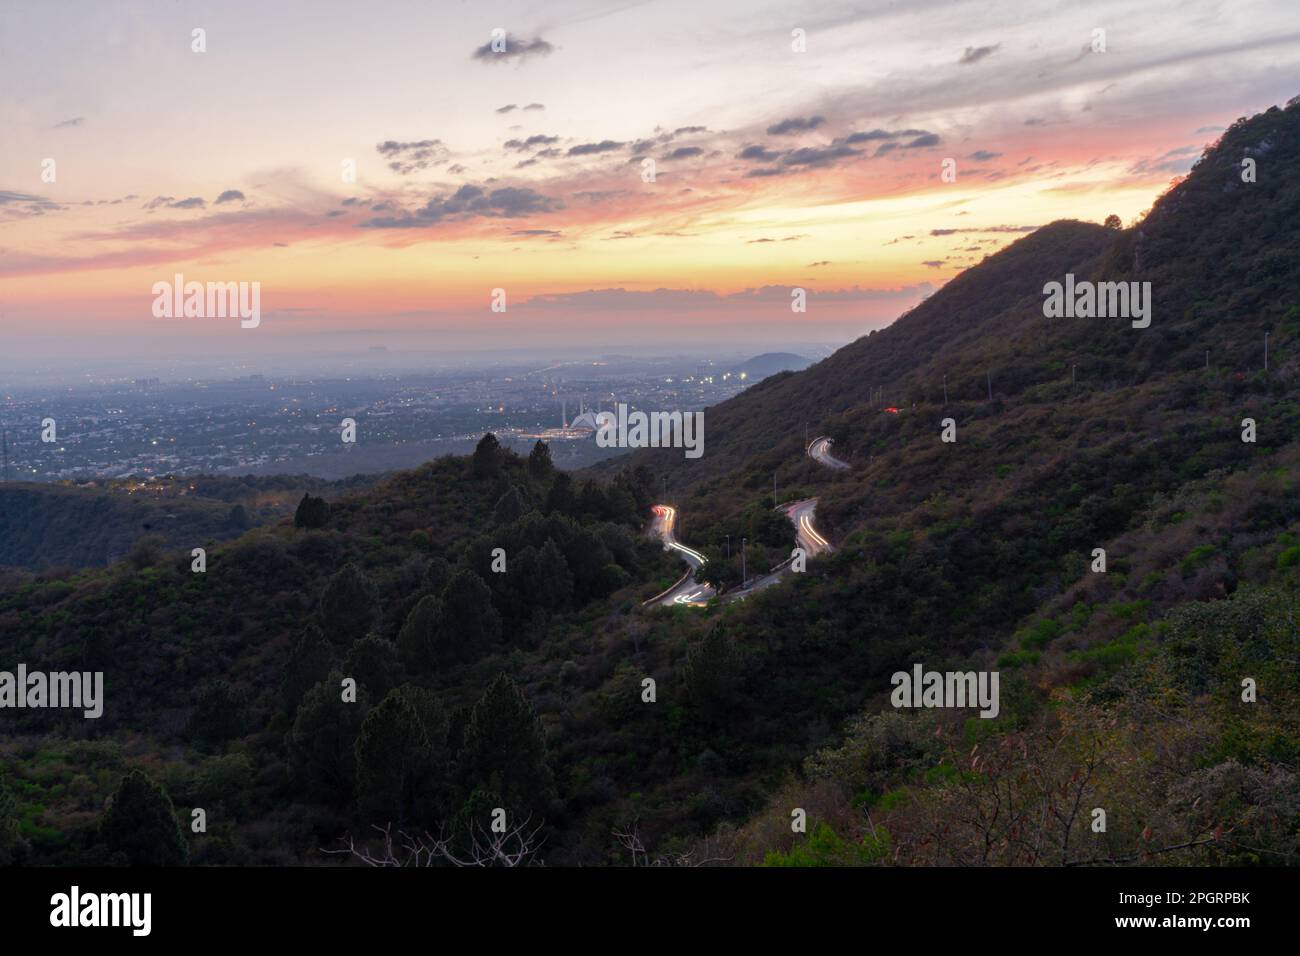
[523,171]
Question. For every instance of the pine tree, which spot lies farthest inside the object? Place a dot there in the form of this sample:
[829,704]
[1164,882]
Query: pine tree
[417,642]
[543,577]
[141,824]
[372,661]
[310,660]
[471,625]
[312,512]
[505,750]
[591,501]
[510,507]
[487,457]
[539,461]
[712,675]
[322,755]
[402,761]
[437,574]
[560,499]
[348,606]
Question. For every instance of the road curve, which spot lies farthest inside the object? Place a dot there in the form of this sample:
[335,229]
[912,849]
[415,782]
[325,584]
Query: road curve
[820,451]
[686,591]
[801,515]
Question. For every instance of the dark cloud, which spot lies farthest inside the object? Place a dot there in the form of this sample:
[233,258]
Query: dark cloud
[818,156]
[7,197]
[974,54]
[954,232]
[867,136]
[687,130]
[75,121]
[886,148]
[929,139]
[470,202]
[758,153]
[534,106]
[983,155]
[171,202]
[406,158]
[795,124]
[529,233]
[532,142]
[933,263]
[508,108]
[515,49]
[588,149]
[685,152]
[230,195]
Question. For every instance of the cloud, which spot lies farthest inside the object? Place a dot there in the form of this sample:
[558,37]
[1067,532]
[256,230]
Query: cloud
[929,139]
[171,202]
[75,121]
[954,232]
[534,106]
[818,157]
[1176,161]
[405,158]
[528,233]
[508,108]
[470,202]
[795,124]
[933,263]
[974,54]
[532,142]
[515,48]
[983,155]
[760,153]
[684,152]
[588,149]
[230,195]
[617,300]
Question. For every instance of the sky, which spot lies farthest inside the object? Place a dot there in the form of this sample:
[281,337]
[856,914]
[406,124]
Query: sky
[794,145]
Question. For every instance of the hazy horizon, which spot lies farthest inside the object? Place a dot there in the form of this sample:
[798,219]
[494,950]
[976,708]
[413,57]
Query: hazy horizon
[795,146]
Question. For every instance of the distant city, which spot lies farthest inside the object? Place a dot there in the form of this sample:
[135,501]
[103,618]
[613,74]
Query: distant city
[155,425]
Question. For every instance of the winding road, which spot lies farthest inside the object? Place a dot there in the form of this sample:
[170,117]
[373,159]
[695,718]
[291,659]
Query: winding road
[820,451]
[687,590]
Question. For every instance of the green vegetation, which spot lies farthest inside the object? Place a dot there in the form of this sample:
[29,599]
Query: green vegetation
[488,607]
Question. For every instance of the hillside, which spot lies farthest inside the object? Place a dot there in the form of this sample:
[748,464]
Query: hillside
[524,686]
[769,363]
[66,525]
[1220,255]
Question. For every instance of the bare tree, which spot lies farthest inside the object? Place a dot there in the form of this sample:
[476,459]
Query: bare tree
[516,846]
[710,851]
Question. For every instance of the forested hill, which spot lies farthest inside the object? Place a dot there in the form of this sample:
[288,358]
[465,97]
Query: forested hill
[1222,256]
[48,525]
